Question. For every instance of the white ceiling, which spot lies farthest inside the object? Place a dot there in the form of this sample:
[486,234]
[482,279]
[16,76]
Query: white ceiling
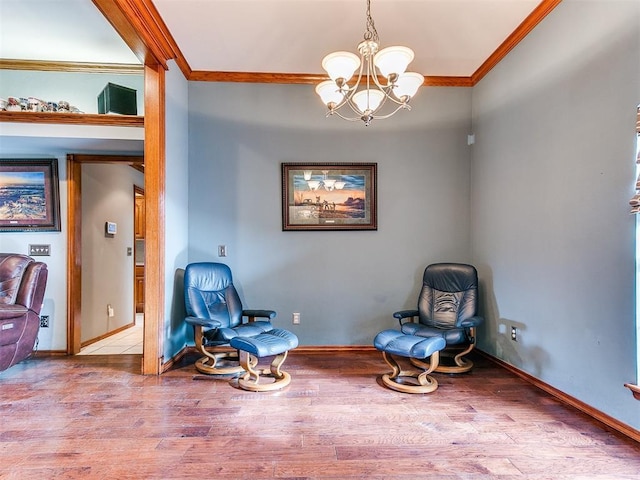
[59,30]
[449,37]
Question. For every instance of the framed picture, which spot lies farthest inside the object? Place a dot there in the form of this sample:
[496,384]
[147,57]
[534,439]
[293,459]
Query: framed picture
[29,195]
[329,196]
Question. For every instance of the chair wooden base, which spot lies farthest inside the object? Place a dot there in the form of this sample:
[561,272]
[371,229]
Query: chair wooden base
[216,360]
[411,381]
[452,361]
[214,364]
[251,379]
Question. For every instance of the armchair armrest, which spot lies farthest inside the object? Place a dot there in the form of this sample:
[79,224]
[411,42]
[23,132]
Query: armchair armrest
[472,322]
[402,314]
[11,310]
[253,314]
[203,322]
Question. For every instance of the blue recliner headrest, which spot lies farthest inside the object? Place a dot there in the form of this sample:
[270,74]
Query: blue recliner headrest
[207,276]
[209,293]
[449,294]
[451,277]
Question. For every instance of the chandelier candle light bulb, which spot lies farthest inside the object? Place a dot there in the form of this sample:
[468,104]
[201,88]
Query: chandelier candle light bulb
[368,101]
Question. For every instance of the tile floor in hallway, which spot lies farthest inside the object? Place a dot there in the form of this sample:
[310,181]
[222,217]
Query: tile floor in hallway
[127,341]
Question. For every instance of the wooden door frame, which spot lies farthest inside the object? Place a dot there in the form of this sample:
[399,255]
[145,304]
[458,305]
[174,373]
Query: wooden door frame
[74,238]
[142,29]
[137,190]
[154,236]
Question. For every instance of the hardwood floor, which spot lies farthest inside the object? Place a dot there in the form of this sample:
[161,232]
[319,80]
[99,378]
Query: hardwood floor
[96,417]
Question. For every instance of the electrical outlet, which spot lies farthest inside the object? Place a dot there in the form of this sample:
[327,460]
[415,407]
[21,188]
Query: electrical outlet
[514,334]
[110,311]
[296,318]
[222,250]
[44,321]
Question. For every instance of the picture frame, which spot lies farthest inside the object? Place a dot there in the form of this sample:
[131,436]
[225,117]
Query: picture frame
[329,196]
[29,195]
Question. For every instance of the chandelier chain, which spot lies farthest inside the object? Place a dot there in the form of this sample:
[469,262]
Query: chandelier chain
[371,32]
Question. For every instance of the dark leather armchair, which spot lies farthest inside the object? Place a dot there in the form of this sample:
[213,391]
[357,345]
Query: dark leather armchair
[214,309]
[22,285]
[447,308]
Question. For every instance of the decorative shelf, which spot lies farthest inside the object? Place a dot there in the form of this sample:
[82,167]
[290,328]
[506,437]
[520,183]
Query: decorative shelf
[635,390]
[73,119]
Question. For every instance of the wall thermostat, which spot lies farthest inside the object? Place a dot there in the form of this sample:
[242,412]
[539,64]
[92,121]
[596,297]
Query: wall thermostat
[110,228]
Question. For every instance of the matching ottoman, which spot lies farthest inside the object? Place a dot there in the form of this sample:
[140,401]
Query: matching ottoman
[276,342]
[395,343]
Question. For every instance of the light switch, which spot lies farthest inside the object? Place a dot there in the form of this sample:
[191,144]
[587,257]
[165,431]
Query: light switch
[40,250]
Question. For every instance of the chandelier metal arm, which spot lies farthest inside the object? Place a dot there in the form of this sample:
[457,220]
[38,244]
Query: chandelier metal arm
[349,92]
[336,112]
[374,117]
[387,90]
[399,107]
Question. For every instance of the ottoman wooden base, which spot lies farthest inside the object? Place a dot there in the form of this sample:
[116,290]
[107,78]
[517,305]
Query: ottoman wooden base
[277,343]
[394,343]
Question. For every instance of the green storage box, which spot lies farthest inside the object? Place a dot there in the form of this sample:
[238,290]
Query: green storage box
[117,99]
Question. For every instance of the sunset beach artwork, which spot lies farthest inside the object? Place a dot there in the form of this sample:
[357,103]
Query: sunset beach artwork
[27,195]
[329,196]
[22,196]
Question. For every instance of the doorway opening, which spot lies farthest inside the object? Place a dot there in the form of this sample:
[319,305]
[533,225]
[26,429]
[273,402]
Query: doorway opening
[102,287]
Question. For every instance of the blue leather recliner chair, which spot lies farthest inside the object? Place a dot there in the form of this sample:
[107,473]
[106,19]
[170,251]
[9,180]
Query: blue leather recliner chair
[214,309]
[442,327]
[447,308]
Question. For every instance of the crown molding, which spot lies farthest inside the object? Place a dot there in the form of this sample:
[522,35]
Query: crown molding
[304,78]
[528,24]
[436,81]
[141,28]
[255,77]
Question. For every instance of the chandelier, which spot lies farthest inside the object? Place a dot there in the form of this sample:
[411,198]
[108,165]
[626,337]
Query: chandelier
[367,102]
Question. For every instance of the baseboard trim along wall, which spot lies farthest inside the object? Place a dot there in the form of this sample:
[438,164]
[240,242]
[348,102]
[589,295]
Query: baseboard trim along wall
[568,399]
[48,353]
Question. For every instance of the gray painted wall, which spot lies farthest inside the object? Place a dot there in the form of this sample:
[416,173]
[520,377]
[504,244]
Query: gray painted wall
[553,170]
[107,270]
[176,203]
[55,297]
[345,284]
[55,300]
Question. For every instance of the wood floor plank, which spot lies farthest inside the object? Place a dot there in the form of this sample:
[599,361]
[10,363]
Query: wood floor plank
[96,417]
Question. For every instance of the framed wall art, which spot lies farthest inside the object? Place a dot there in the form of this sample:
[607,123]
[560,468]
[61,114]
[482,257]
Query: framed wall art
[29,195]
[329,196]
